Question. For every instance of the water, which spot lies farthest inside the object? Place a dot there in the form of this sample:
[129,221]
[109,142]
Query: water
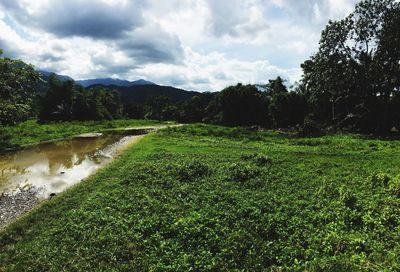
[53,167]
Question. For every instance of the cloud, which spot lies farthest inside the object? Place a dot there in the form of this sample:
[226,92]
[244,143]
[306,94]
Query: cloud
[152,44]
[202,45]
[235,18]
[95,19]
[214,71]
[316,12]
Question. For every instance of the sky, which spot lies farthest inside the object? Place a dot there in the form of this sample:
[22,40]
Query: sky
[200,45]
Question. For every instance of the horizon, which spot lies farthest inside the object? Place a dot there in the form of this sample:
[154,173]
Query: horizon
[198,45]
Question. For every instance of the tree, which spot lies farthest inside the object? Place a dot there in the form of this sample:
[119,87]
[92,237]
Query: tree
[156,106]
[66,101]
[288,109]
[276,86]
[194,109]
[240,105]
[57,103]
[17,89]
[353,77]
[134,111]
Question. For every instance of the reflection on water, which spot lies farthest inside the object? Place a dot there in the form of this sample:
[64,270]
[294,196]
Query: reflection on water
[53,167]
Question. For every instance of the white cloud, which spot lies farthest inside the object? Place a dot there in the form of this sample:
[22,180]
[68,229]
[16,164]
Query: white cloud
[189,44]
[213,71]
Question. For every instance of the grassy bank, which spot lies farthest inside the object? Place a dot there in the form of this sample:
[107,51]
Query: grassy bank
[30,132]
[209,198]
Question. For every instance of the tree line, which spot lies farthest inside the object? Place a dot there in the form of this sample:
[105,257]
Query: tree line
[351,83]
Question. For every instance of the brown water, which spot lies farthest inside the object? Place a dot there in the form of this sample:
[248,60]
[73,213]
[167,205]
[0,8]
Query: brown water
[53,167]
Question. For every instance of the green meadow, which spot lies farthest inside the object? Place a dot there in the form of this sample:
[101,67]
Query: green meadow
[209,198]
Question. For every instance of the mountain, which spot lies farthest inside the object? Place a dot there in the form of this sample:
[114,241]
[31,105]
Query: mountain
[138,91]
[141,93]
[113,82]
[45,76]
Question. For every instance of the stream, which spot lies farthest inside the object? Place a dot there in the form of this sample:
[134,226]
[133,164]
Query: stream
[39,172]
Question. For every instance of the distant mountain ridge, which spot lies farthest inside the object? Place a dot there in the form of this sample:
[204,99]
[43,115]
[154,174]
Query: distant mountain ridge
[113,82]
[138,91]
[45,76]
[98,81]
[142,93]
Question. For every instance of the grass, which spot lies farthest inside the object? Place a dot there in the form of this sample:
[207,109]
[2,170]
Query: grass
[207,198]
[31,132]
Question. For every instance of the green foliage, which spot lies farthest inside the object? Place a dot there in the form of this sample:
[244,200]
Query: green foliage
[66,101]
[394,185]
[352,81]
[156,106]
[17,82]
[241,105]
[200,197]
[288,109]
[380,179]
[276,86]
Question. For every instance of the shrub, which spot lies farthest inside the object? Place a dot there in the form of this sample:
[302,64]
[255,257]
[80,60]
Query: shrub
[310,128]
[241,172]
[380,179]
[259,159]
[4,139]
[193,170]
[348,199]
[394,185]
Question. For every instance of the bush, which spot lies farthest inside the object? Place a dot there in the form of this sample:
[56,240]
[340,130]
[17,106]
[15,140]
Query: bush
[380,179]
[348,199]
[191,171]
[394,185]
[259,159]
[241,172]
[310,128]
[4,140]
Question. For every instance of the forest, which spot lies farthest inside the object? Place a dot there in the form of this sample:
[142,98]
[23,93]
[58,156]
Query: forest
[351,83]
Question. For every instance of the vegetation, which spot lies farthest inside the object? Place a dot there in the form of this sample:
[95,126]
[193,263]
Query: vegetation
[17,82]
[31,131]
[352,81]
[65,101]
[205,197]
[351,84]
[202,197]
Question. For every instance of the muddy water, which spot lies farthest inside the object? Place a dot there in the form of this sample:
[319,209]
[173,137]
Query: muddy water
[50,168]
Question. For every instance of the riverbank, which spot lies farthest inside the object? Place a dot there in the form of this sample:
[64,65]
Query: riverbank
[14,205]
[68,162]
[203,197]
[31,132]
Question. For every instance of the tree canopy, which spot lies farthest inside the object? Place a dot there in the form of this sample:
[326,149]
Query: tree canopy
[353,80]
[17,86]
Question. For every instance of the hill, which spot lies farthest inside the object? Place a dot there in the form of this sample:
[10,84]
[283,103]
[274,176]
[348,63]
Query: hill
[138,91]
[113,82]
[141,93]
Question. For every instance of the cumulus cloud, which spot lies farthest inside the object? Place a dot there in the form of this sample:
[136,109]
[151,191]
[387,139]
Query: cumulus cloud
[202,45]
[214,71]
[95,19]
[152,44]
[316,12]
[235,18]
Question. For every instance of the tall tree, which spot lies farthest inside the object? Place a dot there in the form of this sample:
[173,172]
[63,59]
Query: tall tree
[241,105]
[17,87]
[354,75]
[276,86]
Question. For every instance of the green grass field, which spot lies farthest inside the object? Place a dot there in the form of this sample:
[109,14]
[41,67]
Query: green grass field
[207,198]
[31,132]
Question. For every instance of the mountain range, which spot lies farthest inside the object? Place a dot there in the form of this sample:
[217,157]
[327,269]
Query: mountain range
[138,91]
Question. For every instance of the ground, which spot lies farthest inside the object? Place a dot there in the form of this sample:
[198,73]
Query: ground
[203,198]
